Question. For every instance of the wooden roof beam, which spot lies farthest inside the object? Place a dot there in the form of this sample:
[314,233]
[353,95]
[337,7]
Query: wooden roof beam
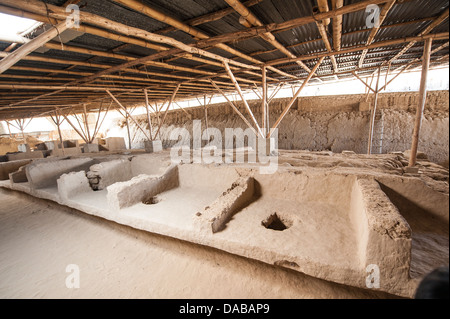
[383,14]
[437,36]
[431,27]
[151,12]
[210,17]
[32,45]
[269,37]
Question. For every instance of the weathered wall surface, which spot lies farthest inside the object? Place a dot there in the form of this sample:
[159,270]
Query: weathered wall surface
[333,123]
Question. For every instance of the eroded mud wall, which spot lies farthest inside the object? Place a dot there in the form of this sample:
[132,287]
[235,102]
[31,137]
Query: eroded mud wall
[333,123]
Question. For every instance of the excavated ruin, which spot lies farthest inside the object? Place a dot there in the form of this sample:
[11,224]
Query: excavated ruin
[326,215]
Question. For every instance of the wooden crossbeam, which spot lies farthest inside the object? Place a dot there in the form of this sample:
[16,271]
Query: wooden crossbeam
[32,45]
[294,98]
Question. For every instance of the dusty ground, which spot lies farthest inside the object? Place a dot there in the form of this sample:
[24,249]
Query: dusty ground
[38,239]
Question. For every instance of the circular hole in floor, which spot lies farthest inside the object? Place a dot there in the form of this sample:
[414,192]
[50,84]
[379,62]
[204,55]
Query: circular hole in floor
[152,200]
[274,222]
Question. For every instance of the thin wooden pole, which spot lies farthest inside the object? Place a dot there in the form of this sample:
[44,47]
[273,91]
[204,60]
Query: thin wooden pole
[58,124]
[128,114]
[74,127]
[363,82]
[206,114]
[422,101]
[286,110]
[34,44]
[94,134]
[128,130]
[9,129]
[86,124]
[21,128]
[149,119]
[172,98]
[238,89]
[103,120]
[234,107]
[373,115]
[264,101]
[159,118]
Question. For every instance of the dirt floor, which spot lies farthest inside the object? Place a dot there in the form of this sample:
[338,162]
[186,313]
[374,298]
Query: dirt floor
[39,239]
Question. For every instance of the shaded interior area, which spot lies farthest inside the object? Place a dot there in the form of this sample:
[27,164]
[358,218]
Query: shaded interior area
[430,232]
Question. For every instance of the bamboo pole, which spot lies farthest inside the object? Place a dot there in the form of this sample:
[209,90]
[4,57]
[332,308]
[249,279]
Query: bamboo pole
[238,89]
[322,27]
[234,108]
[287,109]
[383,14]
[337,25]
[9,129]
[150,127]
[86,17]
[86,124]
[128,114]
[269,37]
[172,98]
[58,124]
[422,102]
[264,101]
[434,24]
[363,82]
[434,36]
[206,115]
[210,17]
[373,114]
[75,128]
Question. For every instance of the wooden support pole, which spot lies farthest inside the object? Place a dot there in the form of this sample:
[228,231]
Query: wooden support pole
[97,129]
[373,115]
[264,101]
[337,25]
[20,124]
[149,119]
[206,114]
[128,114]
[172,98]
[363,82]
[128,130]
[29,47]
[9,129]
[247,107]
[86,124]
[422,101]
[58,123]
[182,108]
[94,134]
[234,107]
[294,98]
[75,128]
[159,118]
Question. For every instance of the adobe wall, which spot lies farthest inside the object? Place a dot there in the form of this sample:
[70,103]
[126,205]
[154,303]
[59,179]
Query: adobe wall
[335,123]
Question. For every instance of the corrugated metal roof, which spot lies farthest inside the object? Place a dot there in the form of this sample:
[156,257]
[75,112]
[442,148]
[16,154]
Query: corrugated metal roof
[301,41]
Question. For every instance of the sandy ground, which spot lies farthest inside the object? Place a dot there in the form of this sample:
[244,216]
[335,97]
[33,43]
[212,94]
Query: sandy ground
[39,239]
